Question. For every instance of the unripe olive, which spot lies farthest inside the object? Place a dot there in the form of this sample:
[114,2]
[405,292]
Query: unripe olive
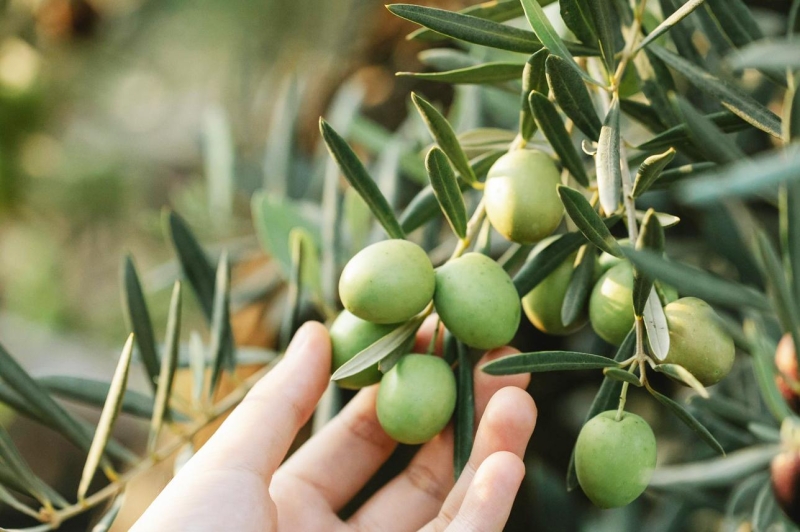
[606,260]
[387,282]
[542,305]
[785,470]
[522,202]
[477,301]
[614,460]
[611,304]
[349,336]
[786,362]
[697,341]
[416,398]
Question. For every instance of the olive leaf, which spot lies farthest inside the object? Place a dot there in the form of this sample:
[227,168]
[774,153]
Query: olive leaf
[396,340]
[291,315]
[622,375]
[673,175]
[360,180]
[735,20]
[485,73]
[169,363]
[579,287]
[791,120]
[643,113]
[728,95]
[548,120]
[587,220]
[655,81]
[19,470]
[494,10]
[11,501]
[681,13]
[605,25]
[715,472]
[678,135]
[138,318]
[789,216]
[605,399]
[445,188]
[543,361]
[194,263]
[705,136]
[650,238]
[572,96]
[533,79]
[650,170]
[438,59]
[221,334]
[762,353]
[656,325]
[679,373]
[692,281]
[773,53]
[682,34]
[464,424]
[689,420]
[607,163]
[577,15]
[197,364]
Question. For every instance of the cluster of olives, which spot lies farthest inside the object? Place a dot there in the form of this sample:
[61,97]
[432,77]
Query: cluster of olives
[390,282]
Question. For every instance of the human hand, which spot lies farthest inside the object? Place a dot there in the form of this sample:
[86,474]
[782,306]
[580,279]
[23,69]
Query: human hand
[236,480]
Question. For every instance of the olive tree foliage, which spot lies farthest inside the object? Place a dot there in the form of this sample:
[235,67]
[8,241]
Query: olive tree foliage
[640,104]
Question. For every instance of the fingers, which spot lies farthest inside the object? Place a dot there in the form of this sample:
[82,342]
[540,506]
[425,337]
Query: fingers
[339,459]
[487,385]
[258,433]
[425,334]
[491,494]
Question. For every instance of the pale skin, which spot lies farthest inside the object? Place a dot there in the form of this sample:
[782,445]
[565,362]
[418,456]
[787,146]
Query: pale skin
[240,479]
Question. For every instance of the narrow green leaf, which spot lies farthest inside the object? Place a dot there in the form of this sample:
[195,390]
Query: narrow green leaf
[359,179]
[572,96]
[651,238]
[577,15]
[138,317]
[681,13]
[219,161]
[169,363]
[534,78]
[690,281]
[655,81]
[622,375]
[774,53]
[786,307]
[743,179]
[20,469]
[587,220]
[546,361]
[465,412]
[736,20]
[485,73]
[279,148]
[443,133]
[706,137]
[718,472]
[197,364]
[549,37]
[111,408]
[548,120]
[609,175]
[656,325]
[678,135]
[7,498]
[438,59]
[194,263]
[682,35]
[10,479]
[605,399]
[220,322]
[689,420]
[679,373]
[650,170]
[763,355]
[398,339]
[789,213]
[446,189]
[728,95]
[494,10]
[580,286]
[606,25]
[110,515]
[643,113]
[679,173]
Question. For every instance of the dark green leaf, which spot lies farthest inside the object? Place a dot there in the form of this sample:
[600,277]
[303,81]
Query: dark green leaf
[684,11]
[706,137]
[606,25]
[169,363]
[446,190]
[580,286]
[609,175]
[789,210]
[194,263]
[682,35]
[495,10]
[533,79]
[655,81]
[587,220]
[111,408]
[546,361]
[651,238]
[360,180]
[736,20]
[443,133]
[677,135]
[728,95]
[763,355]
[478,74]
[622,375]
[572,96]
[577,15]
[792,115]
[398,339]
[689,420]
[465,412]
[643,113]
[220,322]
[785,305]
[690,281]
[650,170]
[135,307]
[674,175]
[552,127]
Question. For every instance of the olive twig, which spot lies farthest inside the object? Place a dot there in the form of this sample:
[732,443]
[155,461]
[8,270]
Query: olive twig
[623,394]
[472,228]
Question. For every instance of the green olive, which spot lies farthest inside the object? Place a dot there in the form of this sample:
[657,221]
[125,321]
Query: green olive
[416,398]
[349,336]
[614,460]
[522,202]
[387,282]
[542,305]
[697,341]
[611,304]
[606,260]
[477,301]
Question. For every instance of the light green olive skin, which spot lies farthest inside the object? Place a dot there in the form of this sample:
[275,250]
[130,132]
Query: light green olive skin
[349,336]
[697,342]
[542,305]
[477,301]
[614,460]
[387,282]
[521,199]
[611,304]
[416,398]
